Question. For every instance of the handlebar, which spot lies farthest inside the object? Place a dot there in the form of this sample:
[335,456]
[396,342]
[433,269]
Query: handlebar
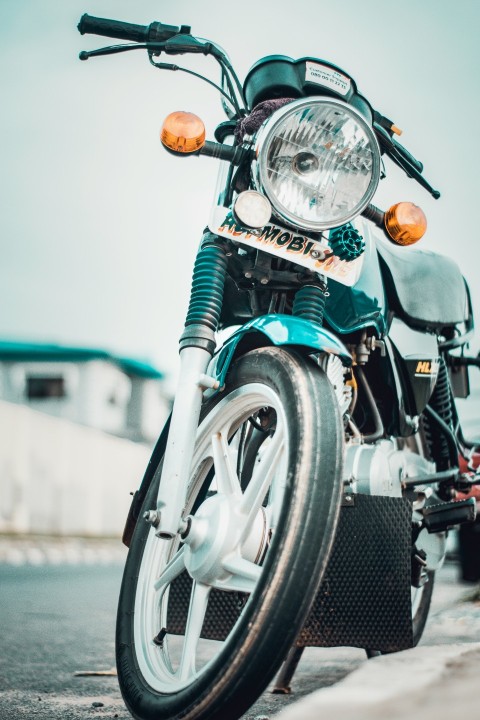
[177,40]
[155,32]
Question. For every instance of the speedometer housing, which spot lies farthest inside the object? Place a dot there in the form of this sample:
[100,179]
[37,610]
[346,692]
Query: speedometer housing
[318,161]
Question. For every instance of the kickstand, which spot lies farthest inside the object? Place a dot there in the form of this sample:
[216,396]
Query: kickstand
[282,685]
[372,653]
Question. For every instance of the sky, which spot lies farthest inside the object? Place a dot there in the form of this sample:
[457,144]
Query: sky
[100,225]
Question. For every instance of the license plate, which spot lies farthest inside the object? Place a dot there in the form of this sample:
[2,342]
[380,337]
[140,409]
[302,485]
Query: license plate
[289,245]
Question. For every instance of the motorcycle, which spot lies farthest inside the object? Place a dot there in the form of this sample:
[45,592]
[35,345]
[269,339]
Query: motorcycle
[302,489]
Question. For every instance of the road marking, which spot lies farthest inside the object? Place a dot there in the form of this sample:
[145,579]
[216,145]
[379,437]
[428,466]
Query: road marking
[65,551]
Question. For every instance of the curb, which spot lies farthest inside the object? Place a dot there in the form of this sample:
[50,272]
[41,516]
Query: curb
[385,680]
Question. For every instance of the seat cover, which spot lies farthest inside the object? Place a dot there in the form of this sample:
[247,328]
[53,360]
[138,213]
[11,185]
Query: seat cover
[426,288]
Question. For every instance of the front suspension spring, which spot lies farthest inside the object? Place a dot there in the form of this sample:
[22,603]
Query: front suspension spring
[309,303]
[206,297]
[207,287]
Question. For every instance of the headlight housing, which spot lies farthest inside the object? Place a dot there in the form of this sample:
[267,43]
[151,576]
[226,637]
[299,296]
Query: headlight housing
[318,162]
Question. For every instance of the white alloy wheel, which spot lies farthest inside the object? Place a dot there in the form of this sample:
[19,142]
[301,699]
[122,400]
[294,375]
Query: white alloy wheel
[227,537]
[206,619]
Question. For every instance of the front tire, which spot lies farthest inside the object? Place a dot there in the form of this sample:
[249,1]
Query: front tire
[263,502]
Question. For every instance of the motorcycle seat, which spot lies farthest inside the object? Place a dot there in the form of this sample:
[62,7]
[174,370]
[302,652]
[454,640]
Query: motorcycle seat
[424,288]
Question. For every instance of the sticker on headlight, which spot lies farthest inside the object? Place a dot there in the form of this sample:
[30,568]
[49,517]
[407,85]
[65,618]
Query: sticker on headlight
[328,77]
[289,245]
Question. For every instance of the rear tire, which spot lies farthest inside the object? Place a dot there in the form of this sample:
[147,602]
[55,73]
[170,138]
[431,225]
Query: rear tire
[469,551]
[292,496]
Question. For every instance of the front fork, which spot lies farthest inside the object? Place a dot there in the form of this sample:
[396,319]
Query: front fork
[197,346]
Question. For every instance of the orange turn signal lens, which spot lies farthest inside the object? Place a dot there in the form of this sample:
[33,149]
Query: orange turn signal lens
[405,223]
[183,132]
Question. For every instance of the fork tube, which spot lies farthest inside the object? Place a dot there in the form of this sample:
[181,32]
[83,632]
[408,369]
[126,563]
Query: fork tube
[197,346]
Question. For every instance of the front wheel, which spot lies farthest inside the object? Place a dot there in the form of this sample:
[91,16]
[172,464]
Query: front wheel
[204,621]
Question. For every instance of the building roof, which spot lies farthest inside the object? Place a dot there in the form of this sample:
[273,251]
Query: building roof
[13,351]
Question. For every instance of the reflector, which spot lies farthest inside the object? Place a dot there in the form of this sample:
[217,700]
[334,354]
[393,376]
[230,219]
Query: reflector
[252,209]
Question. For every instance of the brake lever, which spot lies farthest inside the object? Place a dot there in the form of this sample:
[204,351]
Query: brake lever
[401,157]
[110,50]
[178,45]
[407,155]
[412,172]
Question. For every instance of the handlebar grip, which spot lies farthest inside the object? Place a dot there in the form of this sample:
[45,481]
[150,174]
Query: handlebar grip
[112,28]
[156,32]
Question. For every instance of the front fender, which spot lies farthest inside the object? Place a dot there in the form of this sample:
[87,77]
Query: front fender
[280,330]
[273,329]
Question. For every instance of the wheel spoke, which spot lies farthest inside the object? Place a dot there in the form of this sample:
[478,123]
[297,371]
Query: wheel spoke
[227,479]
[171,571]
[244,574]
[261,478]
[196,616]
[235,485]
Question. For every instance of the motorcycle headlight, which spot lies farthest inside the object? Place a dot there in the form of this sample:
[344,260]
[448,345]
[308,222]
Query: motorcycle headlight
[318,162]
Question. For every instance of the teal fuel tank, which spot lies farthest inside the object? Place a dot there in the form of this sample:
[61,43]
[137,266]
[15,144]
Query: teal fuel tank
[364,305]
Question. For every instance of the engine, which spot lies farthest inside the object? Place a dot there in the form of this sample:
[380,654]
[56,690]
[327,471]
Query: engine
[380,468]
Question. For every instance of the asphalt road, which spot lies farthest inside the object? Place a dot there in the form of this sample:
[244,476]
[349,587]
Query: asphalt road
[58,620]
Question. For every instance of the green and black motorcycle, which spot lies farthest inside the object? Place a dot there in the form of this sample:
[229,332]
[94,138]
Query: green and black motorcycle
[302,489]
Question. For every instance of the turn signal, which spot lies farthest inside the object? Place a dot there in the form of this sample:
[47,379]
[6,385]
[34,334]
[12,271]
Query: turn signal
[183,132]
[405,223]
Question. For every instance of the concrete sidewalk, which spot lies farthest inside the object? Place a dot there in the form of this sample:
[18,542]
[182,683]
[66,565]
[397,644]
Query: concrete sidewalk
[430,682]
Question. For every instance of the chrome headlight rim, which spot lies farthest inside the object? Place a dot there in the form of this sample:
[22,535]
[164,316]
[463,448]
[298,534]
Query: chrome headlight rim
[267,132]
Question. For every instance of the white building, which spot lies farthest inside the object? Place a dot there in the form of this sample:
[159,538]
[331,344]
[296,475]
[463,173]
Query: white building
[68,416]
[121,396]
